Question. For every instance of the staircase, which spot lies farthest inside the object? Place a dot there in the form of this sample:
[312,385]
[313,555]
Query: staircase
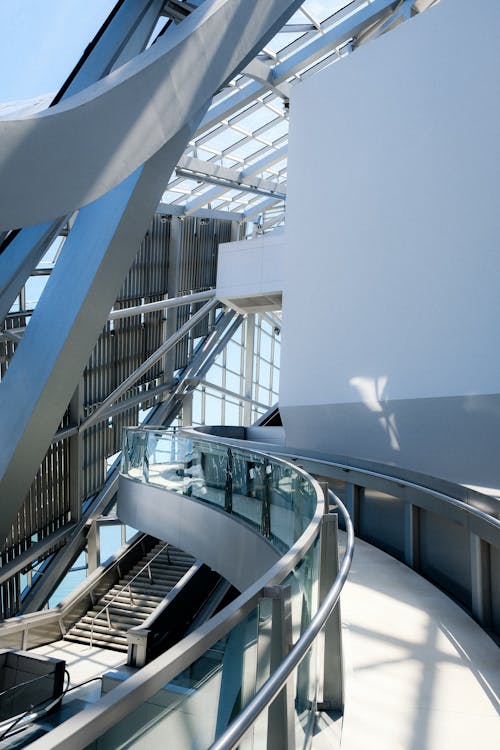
[132,599]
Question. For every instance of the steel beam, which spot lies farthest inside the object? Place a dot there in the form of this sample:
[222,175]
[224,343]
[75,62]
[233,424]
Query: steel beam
[240,178]
[103,242]
[83,286]
[177,209]
[147,364]
[121,37]
[164,304]
[230,184]
[124,119]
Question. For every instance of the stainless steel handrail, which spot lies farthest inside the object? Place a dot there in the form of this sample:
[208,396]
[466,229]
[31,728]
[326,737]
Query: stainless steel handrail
[122,588]
[275,683]
[460,505]
[86,726]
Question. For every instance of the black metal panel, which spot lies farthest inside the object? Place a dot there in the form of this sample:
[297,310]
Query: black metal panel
[445,555]
[495,588]
[381,521]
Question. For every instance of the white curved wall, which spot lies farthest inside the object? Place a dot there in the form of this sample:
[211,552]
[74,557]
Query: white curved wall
[391,303]
[226,544]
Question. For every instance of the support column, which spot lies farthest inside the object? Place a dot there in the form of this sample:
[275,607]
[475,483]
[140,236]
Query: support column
[331,688]
[265,522]
[354,495]
[76,454]
[228,491]
[93,548]
[249,361]
[412,536]
[480,580]
[174,260]
[281,724]
[187,410]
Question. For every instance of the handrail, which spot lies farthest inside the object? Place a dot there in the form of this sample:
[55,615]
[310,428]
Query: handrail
[294,455]
[122,588]
[274,684]
[22,624]
[83,728]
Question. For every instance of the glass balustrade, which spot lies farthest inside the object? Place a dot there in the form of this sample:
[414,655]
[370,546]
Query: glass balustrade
[280,502]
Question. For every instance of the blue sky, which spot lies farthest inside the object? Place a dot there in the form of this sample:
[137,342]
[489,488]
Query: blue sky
[43,39]
[41,42]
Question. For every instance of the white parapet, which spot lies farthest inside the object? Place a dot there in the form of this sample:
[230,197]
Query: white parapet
[250,273]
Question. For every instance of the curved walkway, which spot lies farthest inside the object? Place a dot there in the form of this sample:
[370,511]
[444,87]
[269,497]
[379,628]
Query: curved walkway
[420,673]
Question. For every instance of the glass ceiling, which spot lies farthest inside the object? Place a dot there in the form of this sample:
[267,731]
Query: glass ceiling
[237,162]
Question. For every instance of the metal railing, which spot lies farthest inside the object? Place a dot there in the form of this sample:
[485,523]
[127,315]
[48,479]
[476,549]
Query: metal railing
[468,578]
[277,681]
[118,706]
[38,628]
[123,588]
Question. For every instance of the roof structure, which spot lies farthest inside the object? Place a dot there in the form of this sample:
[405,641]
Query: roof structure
[236,162]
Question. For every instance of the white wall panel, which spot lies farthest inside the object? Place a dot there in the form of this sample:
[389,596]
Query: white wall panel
[393,225]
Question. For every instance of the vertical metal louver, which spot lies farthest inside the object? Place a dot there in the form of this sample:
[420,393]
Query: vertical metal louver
[177,256]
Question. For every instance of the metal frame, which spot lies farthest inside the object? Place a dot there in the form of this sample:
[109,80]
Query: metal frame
[89,724]
[264,87]
[123,588]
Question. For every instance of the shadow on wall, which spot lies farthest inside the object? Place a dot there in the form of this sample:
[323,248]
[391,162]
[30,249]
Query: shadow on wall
[372,392]
[451,437]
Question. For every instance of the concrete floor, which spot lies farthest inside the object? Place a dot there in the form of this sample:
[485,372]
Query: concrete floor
[83,662]
[420,673]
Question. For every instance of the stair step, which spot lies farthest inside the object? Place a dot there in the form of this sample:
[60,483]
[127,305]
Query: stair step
[102,628]
[155,572]
[137,592]
[130,621]
[97,641]
[150,590]
[145,607]
[111,637]
[145,582]
[166,569]
[165,559]
[125,607]
[160,568]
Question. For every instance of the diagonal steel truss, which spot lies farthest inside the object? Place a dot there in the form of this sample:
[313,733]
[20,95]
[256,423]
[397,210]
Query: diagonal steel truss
[234,166]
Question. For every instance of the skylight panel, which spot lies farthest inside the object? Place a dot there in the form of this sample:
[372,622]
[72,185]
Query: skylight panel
[257,119]
[223,140]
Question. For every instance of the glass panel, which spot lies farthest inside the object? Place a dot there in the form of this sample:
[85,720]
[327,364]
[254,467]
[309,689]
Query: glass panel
[196,707]
[273,497]
[279,502]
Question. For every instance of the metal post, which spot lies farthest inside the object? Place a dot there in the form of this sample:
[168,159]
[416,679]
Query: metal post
[480,580]
[354,495]
[281,725]
[174,261]
[76,454]
[412,536]
[93,548]
[265,524]
[249,360]
[187,410]
[331,688]
[228,492]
